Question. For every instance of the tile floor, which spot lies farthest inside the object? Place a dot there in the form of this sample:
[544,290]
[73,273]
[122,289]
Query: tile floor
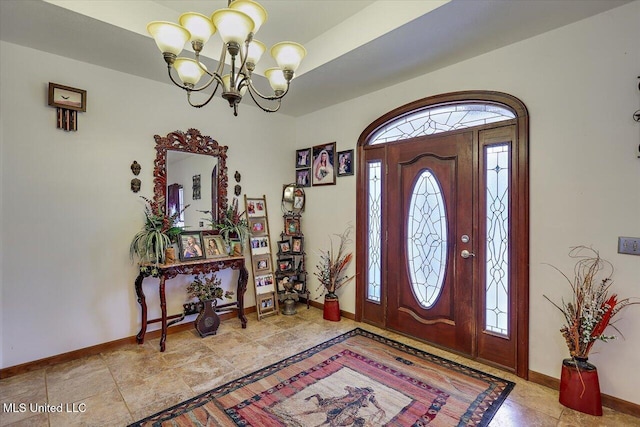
[128,384]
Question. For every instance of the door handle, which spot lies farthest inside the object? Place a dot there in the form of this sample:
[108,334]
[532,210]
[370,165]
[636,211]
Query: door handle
[466,254]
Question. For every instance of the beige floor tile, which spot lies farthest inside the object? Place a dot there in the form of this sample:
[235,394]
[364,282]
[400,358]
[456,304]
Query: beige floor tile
[61,390]
[105,409]
[609,418]
[32,420]
[512,414]
[155,391]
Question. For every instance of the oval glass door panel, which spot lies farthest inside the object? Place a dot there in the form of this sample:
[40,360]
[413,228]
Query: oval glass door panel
[426,239]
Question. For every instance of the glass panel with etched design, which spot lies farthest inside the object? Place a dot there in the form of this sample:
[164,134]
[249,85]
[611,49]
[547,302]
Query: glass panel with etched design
[427,239]
[438,119]
[497,239]
[374,230]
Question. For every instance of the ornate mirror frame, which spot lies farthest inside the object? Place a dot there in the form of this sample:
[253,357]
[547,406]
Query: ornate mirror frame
[190,142]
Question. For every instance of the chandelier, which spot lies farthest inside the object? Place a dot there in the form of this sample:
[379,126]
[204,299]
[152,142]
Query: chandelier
[237,24]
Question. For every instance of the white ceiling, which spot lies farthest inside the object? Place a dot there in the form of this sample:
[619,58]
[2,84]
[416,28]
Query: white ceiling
[354,46]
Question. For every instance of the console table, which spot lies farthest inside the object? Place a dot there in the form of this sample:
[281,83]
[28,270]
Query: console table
[169,271]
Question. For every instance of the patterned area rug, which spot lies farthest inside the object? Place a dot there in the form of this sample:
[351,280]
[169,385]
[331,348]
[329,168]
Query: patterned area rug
[356,379]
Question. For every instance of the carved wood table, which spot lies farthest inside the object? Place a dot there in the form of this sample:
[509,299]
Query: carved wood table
[169,271]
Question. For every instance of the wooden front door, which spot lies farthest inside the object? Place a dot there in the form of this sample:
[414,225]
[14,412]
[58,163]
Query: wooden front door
[431,286]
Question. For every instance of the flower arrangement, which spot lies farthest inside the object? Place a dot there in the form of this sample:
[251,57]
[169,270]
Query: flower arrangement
[207,288]
[331,270]
[592,307]
[157,234]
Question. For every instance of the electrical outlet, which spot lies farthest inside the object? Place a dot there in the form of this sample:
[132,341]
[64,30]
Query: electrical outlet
[629,245]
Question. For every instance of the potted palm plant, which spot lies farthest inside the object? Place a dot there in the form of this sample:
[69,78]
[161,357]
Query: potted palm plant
[232,224]
[332,274]
[157,235]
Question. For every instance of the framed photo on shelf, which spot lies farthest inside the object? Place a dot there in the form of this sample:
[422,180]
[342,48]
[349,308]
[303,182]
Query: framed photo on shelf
[285,264]
[345,163]
[190,244]
[259,245]
[256,208]
[296,245]
[266,303]
[258,225]
[262,264]
[323,171]
[67,97]
[291,226]
[284,247]
[303,177]
[236,247]
[264,284]
[303,158]
[214,247]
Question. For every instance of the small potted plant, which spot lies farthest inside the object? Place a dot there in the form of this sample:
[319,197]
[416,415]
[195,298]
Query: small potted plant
[332,274]
[232,224]
[157,235]
[208,290]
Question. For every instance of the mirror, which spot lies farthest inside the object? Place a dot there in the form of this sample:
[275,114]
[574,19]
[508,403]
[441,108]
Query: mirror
[191,169]
[292,199]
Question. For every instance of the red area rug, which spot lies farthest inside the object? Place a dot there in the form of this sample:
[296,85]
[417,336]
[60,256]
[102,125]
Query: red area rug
[356,379]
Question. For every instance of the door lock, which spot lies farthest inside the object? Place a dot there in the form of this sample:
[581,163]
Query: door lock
[466,254]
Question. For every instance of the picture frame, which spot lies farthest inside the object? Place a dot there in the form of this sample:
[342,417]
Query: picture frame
[191,246]
[345,163]
[259,245]
[266,303]
[258,226]
[67,97]
[303,158]
[303,177]
[284,247]
[285,264]
[262,264]
[214,247]
[297,245]
[264,284]
[235,247]
[298,199]
[291,226]
[256,208]
[323,170]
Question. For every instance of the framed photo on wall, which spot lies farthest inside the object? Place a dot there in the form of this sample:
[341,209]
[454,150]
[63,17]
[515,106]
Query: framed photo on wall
[191,244]
[323,171]
[303,177]
[303,158]
[345,163]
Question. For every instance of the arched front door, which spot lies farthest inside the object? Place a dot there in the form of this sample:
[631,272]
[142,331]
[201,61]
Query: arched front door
[443,225]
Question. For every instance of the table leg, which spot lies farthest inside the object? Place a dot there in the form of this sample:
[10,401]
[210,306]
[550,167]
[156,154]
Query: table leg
[163,311]
[143,304]
[243,278]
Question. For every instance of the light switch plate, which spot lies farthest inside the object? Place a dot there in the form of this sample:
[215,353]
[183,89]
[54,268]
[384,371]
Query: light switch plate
[629,245]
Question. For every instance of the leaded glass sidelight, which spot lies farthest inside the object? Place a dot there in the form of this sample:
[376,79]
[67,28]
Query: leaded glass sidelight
[374,240]
[427,239]
[497,239]
[442,118]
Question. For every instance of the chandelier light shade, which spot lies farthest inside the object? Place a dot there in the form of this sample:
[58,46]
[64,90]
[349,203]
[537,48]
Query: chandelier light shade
[236,25]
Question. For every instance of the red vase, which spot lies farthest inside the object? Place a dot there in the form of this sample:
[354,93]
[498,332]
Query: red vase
[331,310]
[580,387]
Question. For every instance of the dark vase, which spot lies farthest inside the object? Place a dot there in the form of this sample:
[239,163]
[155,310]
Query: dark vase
[208,320]
[580,387]
[331,309]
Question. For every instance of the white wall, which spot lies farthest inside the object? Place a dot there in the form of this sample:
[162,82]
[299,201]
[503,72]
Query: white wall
[68,214]
[580,86]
